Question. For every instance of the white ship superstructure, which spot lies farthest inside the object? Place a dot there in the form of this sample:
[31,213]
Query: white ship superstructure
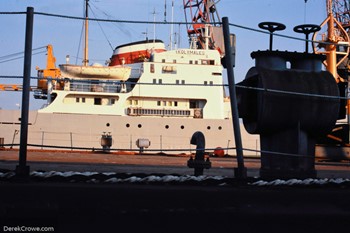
[180,83]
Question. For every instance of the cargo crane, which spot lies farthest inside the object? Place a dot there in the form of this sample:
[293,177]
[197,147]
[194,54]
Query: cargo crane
[341,13]
[334,43]
[204,25]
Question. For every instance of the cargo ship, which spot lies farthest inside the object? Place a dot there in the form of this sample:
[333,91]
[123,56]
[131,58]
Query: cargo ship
[147,97]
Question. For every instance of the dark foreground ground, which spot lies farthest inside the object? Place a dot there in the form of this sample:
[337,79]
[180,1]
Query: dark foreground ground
[171,207]
[174,208]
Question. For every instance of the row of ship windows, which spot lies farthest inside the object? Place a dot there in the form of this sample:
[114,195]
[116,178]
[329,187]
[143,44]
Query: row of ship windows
[159,112]
[178,82]
[97,101]
[159,103]
[166,126]
[111,101]
[203,62]
[173,69]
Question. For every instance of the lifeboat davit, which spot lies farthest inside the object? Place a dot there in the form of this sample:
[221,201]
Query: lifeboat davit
[136,52]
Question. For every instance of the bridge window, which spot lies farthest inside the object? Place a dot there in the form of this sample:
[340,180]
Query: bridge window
[193,104]
[208,62]
[169,69]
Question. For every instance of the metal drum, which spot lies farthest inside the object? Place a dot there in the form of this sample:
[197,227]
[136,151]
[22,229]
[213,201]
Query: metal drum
[287,98]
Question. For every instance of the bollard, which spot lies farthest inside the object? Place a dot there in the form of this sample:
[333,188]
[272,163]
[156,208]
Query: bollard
[198,163]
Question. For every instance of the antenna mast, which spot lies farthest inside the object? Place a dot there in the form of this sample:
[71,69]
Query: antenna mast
[154,24]
[86,44]
[172,25]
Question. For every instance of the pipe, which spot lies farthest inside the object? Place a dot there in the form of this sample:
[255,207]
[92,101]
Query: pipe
[198,163]
[22,170]
[241,171]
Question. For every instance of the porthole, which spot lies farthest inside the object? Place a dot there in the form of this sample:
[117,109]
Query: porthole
[167,126]
[139,125]
[107,124]
[220,128]
[127,125]
[182,127]
[208,127]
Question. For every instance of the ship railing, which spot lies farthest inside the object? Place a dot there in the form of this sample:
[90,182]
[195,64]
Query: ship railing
[97,87]
[135,111]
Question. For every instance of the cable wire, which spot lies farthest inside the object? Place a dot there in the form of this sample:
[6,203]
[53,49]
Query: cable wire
[166,23]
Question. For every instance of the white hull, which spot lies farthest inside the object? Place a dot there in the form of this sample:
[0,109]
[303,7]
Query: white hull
[168,135]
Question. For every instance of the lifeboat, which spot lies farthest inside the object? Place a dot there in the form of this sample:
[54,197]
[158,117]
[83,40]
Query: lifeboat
[136,52]
[96,71]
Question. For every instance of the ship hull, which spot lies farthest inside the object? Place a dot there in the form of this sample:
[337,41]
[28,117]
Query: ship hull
[84,132]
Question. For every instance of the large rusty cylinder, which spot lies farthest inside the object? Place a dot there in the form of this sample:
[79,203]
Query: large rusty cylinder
[284,100]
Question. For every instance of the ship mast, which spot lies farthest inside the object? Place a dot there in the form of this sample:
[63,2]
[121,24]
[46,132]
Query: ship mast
[86,43]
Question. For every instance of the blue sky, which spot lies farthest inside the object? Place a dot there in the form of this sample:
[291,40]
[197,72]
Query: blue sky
[64,34]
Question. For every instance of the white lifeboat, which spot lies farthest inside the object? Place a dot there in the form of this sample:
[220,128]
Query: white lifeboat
[96,71]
